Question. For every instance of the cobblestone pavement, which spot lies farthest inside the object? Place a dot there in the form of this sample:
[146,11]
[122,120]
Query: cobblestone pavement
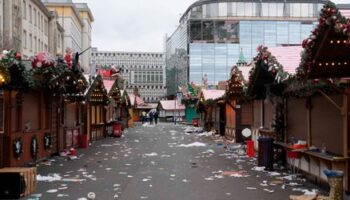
[162,163]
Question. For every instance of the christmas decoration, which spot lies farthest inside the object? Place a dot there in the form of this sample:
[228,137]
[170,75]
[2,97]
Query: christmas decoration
[331,25]
[97,93]
[43,60]
[13,74]
[47,141]
[17,147]
[267,76]
[34,146]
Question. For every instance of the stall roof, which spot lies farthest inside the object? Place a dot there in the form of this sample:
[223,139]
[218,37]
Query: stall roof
[245,71]
[212,94]
[288,57]
[172,105]
[345,13]
[108,84]
[139,100]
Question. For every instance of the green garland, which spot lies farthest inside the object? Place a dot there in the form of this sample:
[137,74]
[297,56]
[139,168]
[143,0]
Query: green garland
[15,74]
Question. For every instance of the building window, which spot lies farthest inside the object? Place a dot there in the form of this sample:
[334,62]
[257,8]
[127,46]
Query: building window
[42,23]
[24,39]
[30,42]
[34,17]
[46,27]
[35,45]
[24,10]
[30,14]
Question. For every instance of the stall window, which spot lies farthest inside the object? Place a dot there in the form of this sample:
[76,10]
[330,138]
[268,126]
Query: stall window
[98,116]
[93,115]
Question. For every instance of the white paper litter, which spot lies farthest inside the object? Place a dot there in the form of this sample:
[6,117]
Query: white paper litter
[251,188]
[52,191]
[259,169]
[206,134]
[195,144]
[306,191]
[151,154]
[49,178]
[270,191]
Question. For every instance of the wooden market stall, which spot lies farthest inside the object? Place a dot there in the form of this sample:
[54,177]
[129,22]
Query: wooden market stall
[30,121]
[136,102]
[170,110]
[190,99]
[239,108]
[265,90]
[211,107]
[96,103]
[318,103]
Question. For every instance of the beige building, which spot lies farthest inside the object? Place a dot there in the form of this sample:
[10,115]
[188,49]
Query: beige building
[35,27]
[56,35]
[26,26]
[76,21]
[87,17]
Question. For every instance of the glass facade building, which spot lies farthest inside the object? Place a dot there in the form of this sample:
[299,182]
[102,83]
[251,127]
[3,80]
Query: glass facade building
[213,32]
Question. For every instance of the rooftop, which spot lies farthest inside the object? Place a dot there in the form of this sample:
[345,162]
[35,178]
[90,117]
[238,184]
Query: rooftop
[288,57]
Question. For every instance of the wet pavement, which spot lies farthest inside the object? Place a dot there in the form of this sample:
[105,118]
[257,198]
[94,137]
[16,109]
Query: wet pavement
[162,163]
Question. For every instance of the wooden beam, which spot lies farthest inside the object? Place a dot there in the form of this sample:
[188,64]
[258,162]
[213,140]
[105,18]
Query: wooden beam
[330,100]
[308,123]
[325,36]
[345,125]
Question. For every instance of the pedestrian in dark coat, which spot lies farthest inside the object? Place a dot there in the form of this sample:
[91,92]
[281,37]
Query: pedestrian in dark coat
[156,117]
[151,117]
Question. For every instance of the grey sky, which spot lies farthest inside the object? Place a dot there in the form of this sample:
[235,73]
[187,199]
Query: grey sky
[136,25]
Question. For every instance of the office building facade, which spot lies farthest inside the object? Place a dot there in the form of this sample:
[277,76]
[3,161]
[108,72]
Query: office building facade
[213,32]
[142,70]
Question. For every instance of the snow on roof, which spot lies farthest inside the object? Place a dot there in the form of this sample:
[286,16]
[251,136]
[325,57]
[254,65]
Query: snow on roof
[212,94]
[288,57]
[345,13]
[139,100]
[171,105]
[108,84]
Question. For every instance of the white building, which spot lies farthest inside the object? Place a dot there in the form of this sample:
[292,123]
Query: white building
[76,21]
[35,27]
[88,19]
[142,70]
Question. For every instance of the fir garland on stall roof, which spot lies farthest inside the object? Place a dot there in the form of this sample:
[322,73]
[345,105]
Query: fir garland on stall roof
[15,74]
[329,16]
[265,62]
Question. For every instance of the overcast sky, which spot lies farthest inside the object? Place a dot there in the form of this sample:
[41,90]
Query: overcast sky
[136,25]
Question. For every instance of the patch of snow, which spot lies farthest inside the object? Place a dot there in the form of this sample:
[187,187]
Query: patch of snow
[195,144]
[53,177]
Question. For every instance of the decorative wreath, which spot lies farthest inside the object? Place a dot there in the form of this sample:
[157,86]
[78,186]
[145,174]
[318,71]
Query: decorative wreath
[34,147]
[47,141]
[18,147]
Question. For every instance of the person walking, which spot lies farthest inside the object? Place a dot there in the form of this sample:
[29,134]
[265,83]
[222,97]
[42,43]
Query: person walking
[156,117]
[151,117]
[143,116]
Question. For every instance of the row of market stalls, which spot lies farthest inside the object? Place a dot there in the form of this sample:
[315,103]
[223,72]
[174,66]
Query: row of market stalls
[51,106]
[298,95]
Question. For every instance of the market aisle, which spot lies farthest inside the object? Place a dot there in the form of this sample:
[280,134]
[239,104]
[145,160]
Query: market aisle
[157,163]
